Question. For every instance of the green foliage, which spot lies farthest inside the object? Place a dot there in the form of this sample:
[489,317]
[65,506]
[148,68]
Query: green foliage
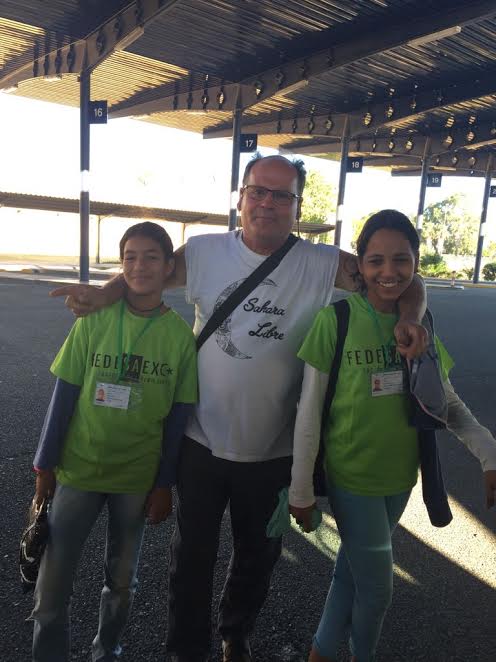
[319,202]
[433,265]
[489,249]
[489,271]
[357,225]
[449,227]
[469,273]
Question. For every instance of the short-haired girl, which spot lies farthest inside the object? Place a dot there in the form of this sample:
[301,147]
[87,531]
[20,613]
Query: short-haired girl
[126,379]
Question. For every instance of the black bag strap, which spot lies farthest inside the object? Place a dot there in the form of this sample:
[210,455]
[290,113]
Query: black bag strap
[247,286]
[342,309]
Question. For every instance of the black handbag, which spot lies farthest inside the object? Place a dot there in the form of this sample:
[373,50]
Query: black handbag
[33,542]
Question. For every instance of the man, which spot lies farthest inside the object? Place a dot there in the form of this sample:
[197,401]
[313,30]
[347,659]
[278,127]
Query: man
[238,445]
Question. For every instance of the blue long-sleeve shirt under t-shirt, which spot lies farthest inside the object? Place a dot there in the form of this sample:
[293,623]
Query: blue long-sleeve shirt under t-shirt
[61,410]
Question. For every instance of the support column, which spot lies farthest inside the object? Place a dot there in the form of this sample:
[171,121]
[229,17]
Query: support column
[98,221]
[84,199]
[236,144]
[482,226]
[345,143]
[423,185]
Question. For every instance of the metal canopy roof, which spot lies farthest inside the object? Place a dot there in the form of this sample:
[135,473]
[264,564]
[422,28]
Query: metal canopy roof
[401,71]
[71,206]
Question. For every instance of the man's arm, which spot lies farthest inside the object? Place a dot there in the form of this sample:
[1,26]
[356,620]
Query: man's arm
[346,275]
[85,299]
[409,333]
[178,276]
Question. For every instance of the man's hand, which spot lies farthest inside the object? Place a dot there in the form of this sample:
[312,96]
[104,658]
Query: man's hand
[158,505]
[490,485]
[81,299]
[45,486]
[412,338]
[303,516]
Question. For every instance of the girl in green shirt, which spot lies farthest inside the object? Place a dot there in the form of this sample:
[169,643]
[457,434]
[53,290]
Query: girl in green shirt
[371,451]
[126,381]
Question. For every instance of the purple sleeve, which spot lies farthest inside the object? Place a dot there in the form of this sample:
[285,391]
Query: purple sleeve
[56,423]
[174,427]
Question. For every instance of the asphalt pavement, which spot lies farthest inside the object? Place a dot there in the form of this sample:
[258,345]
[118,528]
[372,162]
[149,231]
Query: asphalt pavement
[444,606]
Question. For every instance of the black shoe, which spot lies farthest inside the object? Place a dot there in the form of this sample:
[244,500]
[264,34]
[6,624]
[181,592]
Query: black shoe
[236,649]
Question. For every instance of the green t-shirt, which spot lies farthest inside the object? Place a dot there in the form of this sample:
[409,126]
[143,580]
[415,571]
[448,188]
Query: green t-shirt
[118,450]
[370,448]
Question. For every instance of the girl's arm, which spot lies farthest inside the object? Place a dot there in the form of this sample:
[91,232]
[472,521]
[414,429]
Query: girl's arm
[174,427]
[52,437]
[158,505]
[475,437]
[57,419]
[307,437]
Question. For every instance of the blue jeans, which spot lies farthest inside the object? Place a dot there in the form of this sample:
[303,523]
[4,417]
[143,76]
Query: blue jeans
[362,584]
[72,515]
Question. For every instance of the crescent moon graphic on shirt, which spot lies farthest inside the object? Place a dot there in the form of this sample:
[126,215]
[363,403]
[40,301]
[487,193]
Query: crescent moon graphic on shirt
[223,333]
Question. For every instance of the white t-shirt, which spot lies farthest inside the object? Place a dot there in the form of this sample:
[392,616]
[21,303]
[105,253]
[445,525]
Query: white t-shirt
[249,374]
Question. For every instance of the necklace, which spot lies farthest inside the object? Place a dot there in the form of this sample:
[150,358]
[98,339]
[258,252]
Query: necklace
[144,310]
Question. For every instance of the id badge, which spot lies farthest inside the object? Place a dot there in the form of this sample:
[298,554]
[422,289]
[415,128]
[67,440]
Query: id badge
[387,383]
[115,396]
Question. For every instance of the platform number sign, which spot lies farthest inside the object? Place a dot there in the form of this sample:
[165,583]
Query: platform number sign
[492,191]
[354,164]
[98,112]
[248,142]
[434,179]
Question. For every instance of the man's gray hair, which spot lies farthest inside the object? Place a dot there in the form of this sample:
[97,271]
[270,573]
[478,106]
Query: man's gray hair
[297,164]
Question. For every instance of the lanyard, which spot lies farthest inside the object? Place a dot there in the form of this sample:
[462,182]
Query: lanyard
[388,362]
[124,362]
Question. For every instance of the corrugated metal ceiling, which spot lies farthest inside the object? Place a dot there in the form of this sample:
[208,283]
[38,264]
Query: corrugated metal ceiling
[211,44]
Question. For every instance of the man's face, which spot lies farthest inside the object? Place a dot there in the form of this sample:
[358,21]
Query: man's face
[266,225]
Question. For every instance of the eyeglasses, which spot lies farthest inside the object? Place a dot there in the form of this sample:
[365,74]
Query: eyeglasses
[280,198]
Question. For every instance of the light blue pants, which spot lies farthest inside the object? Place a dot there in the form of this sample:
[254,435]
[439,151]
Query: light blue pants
[362,584]
[72,515]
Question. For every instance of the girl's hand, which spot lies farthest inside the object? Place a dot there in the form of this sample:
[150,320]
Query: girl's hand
[45,486]
[303,516]
[158,505]
[490,484]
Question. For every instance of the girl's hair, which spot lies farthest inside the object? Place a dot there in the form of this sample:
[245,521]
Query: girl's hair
[150,231]
[389,219]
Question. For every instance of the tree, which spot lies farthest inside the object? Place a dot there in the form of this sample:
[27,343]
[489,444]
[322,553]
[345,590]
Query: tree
[449,227]
[357,225]
[319,201]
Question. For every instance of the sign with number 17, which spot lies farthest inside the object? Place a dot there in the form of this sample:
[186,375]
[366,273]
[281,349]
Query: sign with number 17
[248,142]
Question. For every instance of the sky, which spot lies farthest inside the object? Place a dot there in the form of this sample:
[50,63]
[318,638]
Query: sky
[138,162]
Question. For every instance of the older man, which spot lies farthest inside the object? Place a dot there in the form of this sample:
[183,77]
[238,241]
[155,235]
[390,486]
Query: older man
[239,442]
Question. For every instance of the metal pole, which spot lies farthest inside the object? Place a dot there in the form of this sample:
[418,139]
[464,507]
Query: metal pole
[84,199]
[345,143]
[482,226]
[423,185]
[236,143]
[97,257]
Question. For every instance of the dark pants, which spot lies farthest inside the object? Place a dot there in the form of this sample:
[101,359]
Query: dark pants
[205,486]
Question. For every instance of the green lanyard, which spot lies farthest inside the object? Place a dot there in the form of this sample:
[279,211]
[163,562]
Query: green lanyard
[385,345]
[124,362]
